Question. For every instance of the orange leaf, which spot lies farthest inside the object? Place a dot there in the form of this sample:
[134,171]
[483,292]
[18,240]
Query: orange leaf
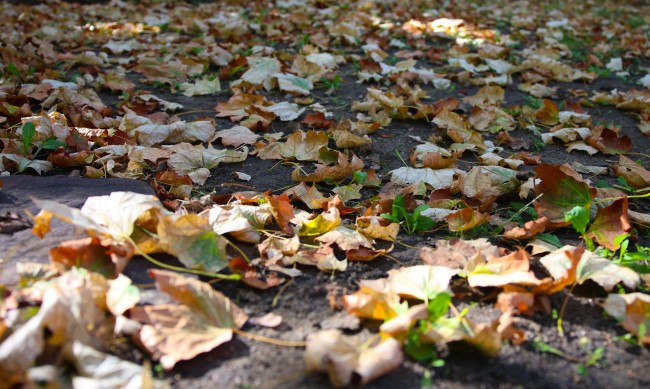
[465,219]
[610,222]
[282,211]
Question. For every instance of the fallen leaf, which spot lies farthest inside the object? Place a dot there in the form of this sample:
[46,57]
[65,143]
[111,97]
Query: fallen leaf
[513,268]
[438,179]
[321,224]
[104,256]
[343,169]
[377,227]
[635,175]
[192,240]
[346,238]
[204,86]
[422,282]
[282,212]
[261,71]
[610,222]
[603,272]
[202,320]
[561,189]
[632,310]
[465,219]
[236,136]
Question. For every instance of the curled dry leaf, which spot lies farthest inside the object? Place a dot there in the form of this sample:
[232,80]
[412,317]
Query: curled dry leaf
[100,213]
[569,264]
[635,175]
[282,212]
[466,219]
[73,308]
[104,256]
[458,253]
[377,227]
[529,230]
[301,146]
[236,136]
[337,172]
[513,268]
[342,357]
[632,310]
[346,238]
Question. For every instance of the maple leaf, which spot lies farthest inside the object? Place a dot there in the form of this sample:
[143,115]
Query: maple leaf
[570,264]
[317,120]
[274,248]
[323,258]
[239,220]
[310,195]
[204,86]
[378,227]
[372,302]
[343,169]
[18,163]
[465,219]
[196,161]
[202,320]
[438,179]
[105,257]
[294,84]
[603,272]
[286,111]
[156,70]
[562,189]
[348,192]
[236,108]
[432,156]
[347,140]
[236,136]
[458,253]
[632,310]
[610,222]
[72,308]
[422,282]
[261,71]
[513,268]
[635,175]
[321,224]
[529,230]
[343,357]
[282,211]
[566,134]
[346,238]
[609,141]
[488,182]
[548,113]
[299,145]
[100,213]
[192,240]
[487,96]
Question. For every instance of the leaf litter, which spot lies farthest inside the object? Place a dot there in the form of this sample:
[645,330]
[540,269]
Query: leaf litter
[493,90]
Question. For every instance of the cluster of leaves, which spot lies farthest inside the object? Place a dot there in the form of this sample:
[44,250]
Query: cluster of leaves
[52,117]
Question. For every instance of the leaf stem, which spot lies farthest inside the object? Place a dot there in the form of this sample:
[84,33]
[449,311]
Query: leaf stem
[277,342]
[560,330]
[232,277]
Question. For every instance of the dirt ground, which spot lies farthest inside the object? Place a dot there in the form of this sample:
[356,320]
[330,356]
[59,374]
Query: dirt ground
[311,302]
